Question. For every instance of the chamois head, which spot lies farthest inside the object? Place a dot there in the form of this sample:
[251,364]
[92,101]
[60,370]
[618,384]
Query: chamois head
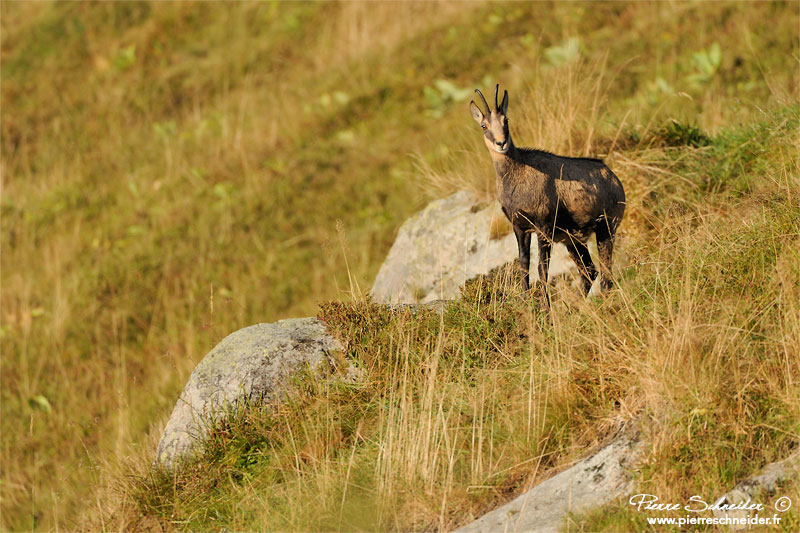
[494,123]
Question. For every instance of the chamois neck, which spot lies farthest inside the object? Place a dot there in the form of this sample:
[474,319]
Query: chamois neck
[502,162]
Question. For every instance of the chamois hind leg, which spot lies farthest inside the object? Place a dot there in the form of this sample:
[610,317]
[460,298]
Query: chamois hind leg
[544,269]
[524,246]
[580,254]
[605,249]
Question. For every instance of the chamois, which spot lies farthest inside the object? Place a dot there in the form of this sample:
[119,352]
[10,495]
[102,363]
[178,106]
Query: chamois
[562,199]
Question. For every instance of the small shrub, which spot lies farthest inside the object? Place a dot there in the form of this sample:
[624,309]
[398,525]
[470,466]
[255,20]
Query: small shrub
[675,133]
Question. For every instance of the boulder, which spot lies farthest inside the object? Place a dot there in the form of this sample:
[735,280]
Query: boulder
[589,484]
[254,363]
[756,489]
[449,242]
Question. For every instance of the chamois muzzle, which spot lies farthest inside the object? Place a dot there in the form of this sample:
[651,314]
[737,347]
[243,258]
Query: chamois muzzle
[501,147]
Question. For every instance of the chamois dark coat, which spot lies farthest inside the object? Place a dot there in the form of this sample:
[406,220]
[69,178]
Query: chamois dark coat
[562,199]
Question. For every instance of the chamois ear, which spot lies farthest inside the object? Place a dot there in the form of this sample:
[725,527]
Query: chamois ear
[504,105]
[477,114]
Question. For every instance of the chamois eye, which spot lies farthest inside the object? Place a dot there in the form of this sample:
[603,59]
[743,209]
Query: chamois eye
[483,126]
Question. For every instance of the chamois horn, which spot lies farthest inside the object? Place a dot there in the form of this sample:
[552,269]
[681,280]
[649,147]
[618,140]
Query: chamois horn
[484,102]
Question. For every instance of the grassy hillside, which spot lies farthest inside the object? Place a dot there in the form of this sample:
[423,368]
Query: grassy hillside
[458,412]
[169,169]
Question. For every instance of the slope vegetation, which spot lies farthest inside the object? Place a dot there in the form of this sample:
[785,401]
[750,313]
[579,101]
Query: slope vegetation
[169,169]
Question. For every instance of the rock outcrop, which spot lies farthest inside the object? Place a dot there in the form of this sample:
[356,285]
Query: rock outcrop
[449,242]
[758,488]
[252,363]
[591,483]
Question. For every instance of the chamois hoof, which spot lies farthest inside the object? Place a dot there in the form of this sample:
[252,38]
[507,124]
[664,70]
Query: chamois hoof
[542,296]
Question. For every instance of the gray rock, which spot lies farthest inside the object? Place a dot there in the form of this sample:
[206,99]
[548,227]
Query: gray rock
[755,489]
[252,363]
[447,243]
[590,483]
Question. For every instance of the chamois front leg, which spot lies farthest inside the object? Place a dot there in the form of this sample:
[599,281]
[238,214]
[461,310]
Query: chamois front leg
[605,251]
[544,269]
[580,254]
[524,246]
